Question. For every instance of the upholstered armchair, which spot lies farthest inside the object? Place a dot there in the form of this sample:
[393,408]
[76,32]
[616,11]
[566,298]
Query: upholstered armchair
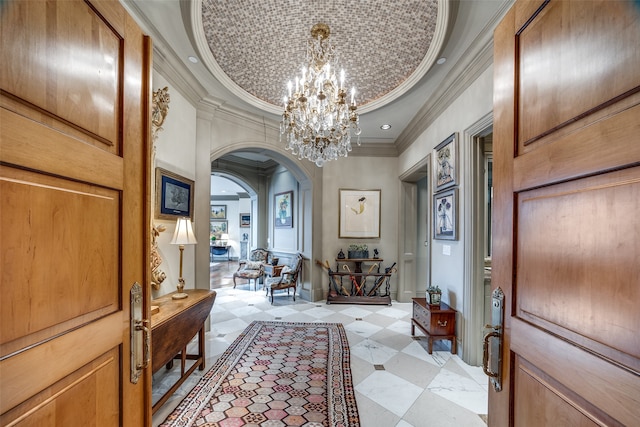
[287,279]
[252,268]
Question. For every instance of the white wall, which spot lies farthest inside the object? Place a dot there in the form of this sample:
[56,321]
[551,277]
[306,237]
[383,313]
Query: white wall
[361,173]
[474,103]
[175,150]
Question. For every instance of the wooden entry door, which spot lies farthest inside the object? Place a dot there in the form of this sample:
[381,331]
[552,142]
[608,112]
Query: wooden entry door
[73,183]
[567,213]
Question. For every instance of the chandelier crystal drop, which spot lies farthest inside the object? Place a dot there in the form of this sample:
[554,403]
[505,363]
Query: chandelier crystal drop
[318,119]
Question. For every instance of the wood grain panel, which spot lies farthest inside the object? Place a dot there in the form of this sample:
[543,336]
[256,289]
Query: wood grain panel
[572,155]
[86,397]
[30,145]
[58,60]
[542,404]
[43,366]
[591,59]
[592,383]
[56,225]
[568,247]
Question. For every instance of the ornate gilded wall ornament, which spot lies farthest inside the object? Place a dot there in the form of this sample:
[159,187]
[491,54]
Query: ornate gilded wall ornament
[157,275]
[159,110]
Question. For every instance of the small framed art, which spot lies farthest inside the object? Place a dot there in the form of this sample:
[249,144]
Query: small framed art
[218,228]
[218,211]
[445,215]
[174,195]
[283,211]
[445,163]
[245,220]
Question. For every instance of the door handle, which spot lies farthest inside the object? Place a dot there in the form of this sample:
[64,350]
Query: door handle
[485,353]
[492,345]
[140,334]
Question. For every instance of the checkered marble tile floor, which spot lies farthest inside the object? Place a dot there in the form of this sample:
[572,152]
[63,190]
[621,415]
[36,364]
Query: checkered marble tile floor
[397,382]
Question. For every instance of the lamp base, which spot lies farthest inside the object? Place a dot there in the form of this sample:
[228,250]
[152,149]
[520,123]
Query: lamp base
[179,295]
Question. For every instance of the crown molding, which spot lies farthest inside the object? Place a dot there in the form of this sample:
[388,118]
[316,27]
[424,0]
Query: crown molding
[165,59]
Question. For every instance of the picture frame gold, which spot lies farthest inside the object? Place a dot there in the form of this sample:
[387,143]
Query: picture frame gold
[174,195]
[218,212]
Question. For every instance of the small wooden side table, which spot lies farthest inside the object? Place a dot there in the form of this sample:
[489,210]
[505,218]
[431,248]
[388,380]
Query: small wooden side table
[173,327]
[437,322]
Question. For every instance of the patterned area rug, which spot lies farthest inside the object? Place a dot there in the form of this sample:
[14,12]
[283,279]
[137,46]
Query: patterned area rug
[276,374]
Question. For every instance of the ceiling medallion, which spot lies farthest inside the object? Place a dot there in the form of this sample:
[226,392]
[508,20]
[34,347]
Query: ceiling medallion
[318,119]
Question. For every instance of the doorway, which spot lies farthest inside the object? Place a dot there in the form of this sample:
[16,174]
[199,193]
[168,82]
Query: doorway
[477,160]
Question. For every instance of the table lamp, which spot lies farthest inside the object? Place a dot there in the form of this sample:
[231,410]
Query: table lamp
[224,239]
[182,236]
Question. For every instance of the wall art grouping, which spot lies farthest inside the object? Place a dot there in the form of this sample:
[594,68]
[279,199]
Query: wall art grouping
[445,181]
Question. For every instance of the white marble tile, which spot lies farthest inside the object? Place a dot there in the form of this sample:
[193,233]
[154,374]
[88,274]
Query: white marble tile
[437,358]
[474,372]
[362,328]
[319,312]
[228,326]
[403,423]
[460,390]
[245,311]
[401,326]
[355,312]
[282,312]
[391,392]
[373,352]
[393,312]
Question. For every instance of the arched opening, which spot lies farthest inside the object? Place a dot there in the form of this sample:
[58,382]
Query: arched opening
[262,174]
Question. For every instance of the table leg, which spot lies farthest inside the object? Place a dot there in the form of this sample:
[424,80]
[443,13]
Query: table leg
[201,348]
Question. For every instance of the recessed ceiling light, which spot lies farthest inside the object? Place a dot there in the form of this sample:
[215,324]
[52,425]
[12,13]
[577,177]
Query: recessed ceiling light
[441,61]
[385,126]
[193,59]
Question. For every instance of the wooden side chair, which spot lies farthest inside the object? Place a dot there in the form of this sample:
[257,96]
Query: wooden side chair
[252,268]
[288,278]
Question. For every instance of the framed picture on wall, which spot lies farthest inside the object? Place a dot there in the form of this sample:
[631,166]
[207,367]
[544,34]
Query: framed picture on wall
[218,211]
[245,220]
[283,209]
[218,228]
[174,195]
[359,215]
[445,163]
[445,215]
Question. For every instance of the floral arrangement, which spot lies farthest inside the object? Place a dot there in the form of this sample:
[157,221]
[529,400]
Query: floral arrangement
[434,294]
[434,289]
[358,251]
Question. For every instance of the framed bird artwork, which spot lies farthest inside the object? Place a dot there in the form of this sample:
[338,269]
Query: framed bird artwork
[359,215]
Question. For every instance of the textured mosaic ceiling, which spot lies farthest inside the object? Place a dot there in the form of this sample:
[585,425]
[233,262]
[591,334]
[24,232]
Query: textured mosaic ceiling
[261,44]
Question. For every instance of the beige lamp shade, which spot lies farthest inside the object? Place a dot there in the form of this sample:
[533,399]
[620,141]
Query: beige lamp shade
[184,233]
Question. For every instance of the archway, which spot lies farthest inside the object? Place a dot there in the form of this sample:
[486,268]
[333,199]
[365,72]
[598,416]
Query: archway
[260,170]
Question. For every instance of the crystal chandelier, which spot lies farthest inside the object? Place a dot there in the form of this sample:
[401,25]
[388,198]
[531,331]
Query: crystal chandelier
[317,119]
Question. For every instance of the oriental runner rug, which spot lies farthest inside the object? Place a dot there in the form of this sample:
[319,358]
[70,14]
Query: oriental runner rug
[276,374]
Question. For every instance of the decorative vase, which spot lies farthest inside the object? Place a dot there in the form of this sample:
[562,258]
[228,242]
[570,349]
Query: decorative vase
[358,254]
[434,298]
